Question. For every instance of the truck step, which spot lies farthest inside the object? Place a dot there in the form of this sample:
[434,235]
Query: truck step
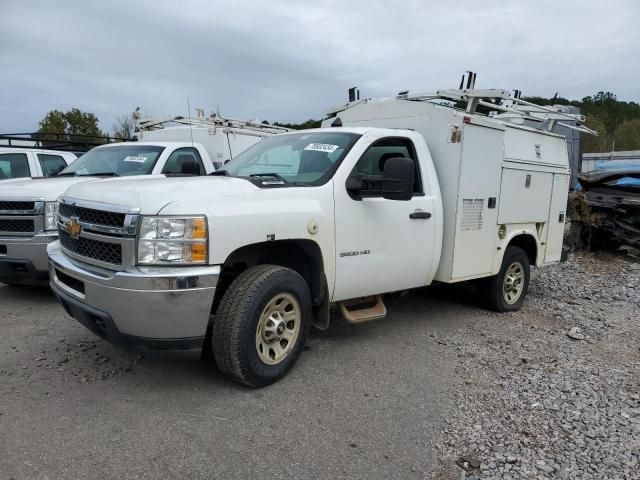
[363,309]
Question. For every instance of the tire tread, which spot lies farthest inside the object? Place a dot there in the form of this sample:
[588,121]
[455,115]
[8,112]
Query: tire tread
[229,326]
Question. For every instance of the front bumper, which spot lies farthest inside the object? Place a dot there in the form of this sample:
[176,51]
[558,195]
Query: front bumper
[23,260]
[156,307]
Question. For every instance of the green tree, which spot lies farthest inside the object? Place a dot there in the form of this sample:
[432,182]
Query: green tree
[74,125]
[627,135]
[311,123]
[592,143]
[54,122]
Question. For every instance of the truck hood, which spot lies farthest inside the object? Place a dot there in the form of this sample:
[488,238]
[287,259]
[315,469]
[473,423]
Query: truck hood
[47,188]
[152,193]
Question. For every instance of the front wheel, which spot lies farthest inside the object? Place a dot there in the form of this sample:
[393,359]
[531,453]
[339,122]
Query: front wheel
[261,325]
[506,291]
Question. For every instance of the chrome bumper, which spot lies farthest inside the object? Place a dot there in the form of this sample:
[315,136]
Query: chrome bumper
[160,307]
[24,259]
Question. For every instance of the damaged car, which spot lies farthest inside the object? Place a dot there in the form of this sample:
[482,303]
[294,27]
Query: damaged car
[605,207]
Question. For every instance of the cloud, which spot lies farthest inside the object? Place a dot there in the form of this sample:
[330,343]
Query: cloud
[290,60]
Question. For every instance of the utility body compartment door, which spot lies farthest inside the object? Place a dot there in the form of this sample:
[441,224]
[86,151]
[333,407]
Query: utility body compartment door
[557,217]
[476,231]
[524,196]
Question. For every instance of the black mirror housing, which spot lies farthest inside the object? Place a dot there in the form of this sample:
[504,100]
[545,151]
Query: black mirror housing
[398,178]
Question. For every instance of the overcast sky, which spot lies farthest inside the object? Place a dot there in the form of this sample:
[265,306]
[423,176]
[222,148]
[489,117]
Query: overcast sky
[291,60]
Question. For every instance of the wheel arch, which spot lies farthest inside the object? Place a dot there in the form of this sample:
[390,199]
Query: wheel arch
[527,242]
[301,255]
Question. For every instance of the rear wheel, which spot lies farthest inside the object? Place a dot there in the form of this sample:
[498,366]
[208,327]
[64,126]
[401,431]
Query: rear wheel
[506,291]
[261,325]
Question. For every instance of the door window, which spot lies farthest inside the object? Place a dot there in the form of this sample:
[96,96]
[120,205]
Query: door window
[51,164]
[14,165]
[373,159]
[184,161]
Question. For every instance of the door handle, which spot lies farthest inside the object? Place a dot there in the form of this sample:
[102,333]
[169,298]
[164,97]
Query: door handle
[419,214]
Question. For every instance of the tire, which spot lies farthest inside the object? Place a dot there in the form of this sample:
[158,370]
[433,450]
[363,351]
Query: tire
[261,325]
[515,265]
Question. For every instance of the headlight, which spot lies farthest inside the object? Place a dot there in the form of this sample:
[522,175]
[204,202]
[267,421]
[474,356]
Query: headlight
[172,240]
[50,216]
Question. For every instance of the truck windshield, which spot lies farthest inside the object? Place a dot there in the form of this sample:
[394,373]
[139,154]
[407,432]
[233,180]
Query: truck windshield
[300,158]
[115,160]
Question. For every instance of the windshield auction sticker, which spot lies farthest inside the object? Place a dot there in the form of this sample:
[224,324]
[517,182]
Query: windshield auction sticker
[135,158]
[322,147]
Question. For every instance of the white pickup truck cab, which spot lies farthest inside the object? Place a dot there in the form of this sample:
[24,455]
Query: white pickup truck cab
[16,162]
[243,262]
[28,206]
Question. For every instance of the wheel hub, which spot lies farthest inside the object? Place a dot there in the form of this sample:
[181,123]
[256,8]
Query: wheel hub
[274,328]
[278,329]
[513,283]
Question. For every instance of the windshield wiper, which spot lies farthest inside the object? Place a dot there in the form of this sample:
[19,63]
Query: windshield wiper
[100,174]
[270,174]
[66,174]
[221,173]
[279,178]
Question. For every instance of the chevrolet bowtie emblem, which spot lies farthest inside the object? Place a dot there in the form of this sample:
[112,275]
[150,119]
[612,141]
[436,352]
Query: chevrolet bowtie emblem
[73,228]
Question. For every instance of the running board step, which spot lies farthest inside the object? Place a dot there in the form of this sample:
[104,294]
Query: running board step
[363,309]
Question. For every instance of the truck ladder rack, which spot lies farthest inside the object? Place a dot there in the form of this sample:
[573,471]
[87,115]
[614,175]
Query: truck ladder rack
[514,109]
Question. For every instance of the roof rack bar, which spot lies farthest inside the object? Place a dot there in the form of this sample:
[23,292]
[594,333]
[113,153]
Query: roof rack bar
[517,109]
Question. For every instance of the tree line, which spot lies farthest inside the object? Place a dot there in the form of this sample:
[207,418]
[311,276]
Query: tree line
[617,122]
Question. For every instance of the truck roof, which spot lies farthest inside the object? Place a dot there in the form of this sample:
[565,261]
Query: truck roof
[358,130]
[7,149]
[159,144]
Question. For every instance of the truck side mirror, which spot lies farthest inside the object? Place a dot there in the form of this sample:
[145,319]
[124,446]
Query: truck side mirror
[398,178]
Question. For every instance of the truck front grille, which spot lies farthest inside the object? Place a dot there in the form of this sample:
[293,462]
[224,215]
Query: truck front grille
[94,217]
[101,251]
[17,226]
[10,205]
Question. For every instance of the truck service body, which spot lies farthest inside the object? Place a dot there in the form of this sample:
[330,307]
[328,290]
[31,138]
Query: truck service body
[223,138]
[28,205]
[405,193]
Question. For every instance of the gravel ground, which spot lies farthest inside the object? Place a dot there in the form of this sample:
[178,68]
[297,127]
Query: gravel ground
[441,389]
[552,391]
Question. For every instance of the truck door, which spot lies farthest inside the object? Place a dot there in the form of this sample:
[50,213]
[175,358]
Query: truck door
[382,245]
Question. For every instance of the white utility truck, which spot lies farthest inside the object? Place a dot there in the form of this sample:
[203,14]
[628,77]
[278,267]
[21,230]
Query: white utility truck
[18,162]
[222,137]
[28,206]
[408,191]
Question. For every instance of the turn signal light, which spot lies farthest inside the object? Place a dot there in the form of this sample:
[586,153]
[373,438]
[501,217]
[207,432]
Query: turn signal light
[198,252]
[199,228]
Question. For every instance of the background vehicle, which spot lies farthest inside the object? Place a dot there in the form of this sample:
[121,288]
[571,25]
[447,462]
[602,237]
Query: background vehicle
[18,162]
[28,206]
[245,261]
[605,208]
[223,138]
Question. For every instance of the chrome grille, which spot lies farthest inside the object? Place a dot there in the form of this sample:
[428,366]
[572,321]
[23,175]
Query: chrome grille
[102,251]
[101,234]
[92,216]
[21,218]
[12,206]
[17,226]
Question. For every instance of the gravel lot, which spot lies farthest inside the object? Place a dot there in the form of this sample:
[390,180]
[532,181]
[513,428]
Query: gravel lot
[538,403]
[440,389]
